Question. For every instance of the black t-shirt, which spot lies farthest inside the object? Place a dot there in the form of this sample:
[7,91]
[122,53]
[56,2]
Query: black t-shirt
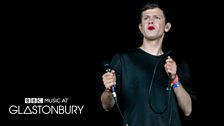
[142,88]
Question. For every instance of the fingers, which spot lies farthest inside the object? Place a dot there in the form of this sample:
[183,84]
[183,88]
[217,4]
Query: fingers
[170,66]
[109,79]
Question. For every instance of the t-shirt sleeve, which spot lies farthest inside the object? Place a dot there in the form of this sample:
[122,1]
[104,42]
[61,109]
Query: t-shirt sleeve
[184,74]
[116,65]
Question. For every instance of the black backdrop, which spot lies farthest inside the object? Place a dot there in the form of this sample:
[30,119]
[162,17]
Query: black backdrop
[56,50]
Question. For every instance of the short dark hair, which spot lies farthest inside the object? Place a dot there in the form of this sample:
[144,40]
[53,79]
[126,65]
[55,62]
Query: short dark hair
[156,4]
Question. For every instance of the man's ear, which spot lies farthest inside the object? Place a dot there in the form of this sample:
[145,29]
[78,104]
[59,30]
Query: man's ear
[140,27]
[167,26]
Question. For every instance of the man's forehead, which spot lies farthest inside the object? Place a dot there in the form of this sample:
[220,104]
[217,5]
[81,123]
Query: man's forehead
[154,11]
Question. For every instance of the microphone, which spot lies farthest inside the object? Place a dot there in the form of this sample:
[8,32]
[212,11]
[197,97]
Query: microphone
[170,80]
[107,68]
[170,76]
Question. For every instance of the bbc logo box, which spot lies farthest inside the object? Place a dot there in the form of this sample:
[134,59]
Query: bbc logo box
[33,100]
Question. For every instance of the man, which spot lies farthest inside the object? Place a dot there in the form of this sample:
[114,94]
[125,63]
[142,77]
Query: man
[149,83]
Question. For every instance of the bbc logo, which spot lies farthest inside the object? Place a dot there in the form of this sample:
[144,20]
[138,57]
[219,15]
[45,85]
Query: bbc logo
[33,100]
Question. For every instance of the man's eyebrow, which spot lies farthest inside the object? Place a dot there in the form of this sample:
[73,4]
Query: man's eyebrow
[152,15]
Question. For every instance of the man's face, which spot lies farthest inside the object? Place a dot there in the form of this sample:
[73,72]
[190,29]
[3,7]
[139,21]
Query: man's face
[152,23]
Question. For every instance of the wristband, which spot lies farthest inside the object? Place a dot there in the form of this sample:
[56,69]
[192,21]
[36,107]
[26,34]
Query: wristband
[176,84]
[176,79]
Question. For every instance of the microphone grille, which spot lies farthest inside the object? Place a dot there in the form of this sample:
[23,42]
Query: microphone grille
[106,66]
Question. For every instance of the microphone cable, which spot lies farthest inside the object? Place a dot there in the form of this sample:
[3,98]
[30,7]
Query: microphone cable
[118,107]
[169,89]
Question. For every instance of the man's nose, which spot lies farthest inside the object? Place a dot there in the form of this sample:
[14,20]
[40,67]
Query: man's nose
[151,21]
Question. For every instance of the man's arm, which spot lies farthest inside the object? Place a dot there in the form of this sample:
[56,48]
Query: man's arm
[107,100]
[184,100]
[183,97]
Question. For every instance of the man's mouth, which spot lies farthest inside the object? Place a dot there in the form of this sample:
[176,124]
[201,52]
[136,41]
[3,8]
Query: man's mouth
[151,28]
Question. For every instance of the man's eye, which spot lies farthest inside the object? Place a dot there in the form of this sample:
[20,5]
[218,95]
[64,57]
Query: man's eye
[146,18]
[157,17]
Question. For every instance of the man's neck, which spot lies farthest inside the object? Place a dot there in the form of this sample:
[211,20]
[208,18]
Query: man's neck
[152,47]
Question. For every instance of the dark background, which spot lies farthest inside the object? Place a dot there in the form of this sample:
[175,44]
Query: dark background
[55,49]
